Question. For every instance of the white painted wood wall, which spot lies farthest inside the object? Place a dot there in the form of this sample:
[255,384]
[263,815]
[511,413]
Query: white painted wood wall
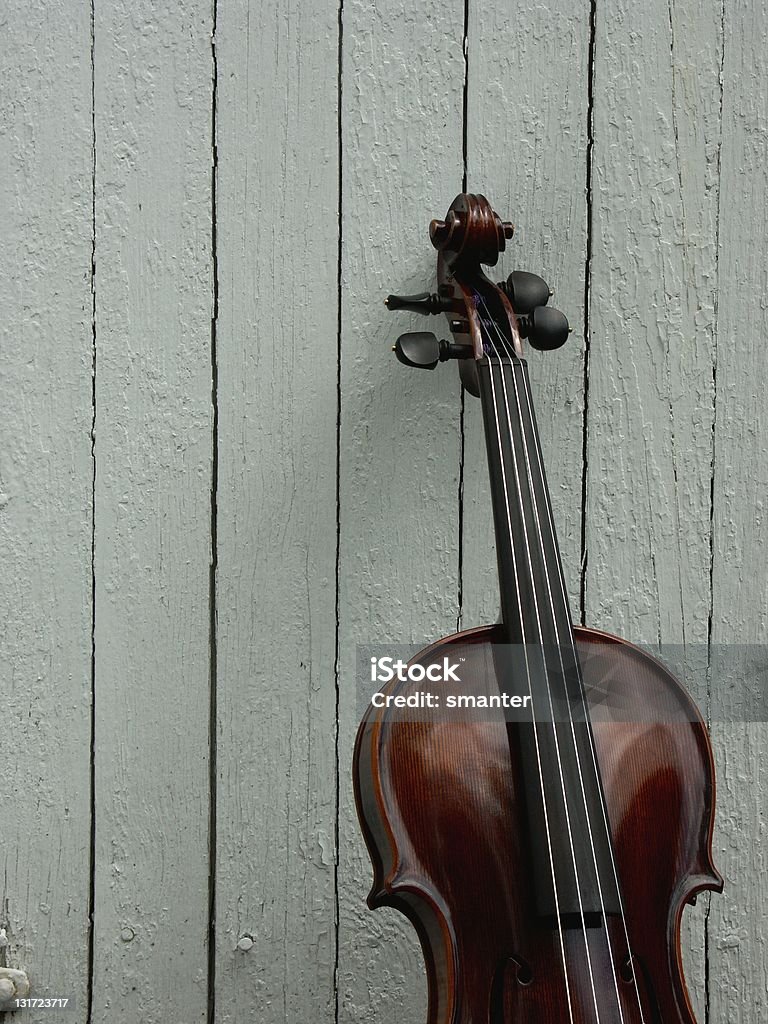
[215,480]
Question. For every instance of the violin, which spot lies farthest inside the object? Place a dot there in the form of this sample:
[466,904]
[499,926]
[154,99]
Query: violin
[544,847]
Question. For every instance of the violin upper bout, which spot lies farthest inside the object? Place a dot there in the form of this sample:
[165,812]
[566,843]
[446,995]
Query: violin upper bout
[659,779]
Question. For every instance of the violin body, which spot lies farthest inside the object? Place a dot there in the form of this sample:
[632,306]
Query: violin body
[440,802]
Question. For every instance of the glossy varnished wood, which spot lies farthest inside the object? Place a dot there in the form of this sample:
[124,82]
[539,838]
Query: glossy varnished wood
[440,803]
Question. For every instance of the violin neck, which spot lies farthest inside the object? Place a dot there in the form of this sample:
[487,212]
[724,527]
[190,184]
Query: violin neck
[534,602]
[556,753]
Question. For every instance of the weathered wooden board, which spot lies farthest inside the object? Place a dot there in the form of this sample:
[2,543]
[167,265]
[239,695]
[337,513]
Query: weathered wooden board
[220,206]
[153,509]
[738,959]
[650,401]
[401,164]
[527,135]
[650,415]
[277,231]
[46,483]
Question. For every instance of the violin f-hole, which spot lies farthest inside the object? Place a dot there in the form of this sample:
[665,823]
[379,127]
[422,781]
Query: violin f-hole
[510,973]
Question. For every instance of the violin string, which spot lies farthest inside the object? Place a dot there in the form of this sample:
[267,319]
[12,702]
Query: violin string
[576,662]
[549,692]
[603,807]
[533,711]
[568,703]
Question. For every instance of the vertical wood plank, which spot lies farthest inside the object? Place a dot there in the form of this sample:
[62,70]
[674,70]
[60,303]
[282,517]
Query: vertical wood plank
[153,508]
[401,165]
[650,394]
[653,295]
[46,475]
[277,231]
[737,933]
[527,145]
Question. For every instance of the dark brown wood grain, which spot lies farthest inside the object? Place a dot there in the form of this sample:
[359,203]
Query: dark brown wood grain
[440,803]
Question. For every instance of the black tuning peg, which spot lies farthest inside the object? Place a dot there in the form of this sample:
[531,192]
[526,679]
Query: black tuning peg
[525,291]
[545,328]
[426,303]
[419,348]
[422,350]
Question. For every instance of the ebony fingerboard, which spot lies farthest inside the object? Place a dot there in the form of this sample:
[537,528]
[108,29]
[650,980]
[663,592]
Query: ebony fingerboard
[569,840]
